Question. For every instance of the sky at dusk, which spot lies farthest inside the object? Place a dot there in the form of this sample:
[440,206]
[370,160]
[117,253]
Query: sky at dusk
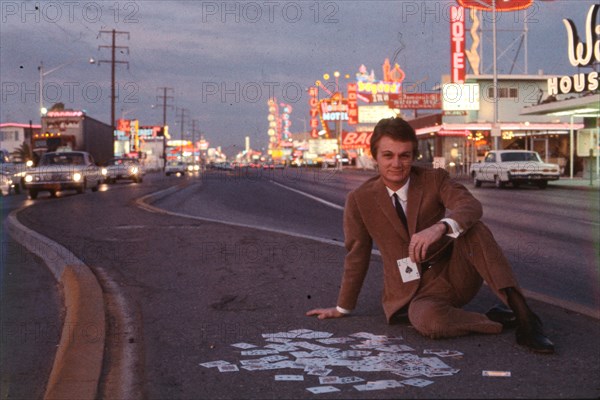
[222,60]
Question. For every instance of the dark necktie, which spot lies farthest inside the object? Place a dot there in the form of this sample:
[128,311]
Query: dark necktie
[400,211]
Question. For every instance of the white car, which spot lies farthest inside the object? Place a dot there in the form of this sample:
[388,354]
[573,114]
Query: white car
[175,168]
[58,171]
[514,166]
[6,184]
[119,168]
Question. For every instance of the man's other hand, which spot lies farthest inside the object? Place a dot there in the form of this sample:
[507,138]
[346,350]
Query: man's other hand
[324,313]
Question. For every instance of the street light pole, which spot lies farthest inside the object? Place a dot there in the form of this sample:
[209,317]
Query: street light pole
[495,84]
[44,73]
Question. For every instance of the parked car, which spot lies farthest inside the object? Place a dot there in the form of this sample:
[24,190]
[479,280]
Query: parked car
[6,184]
[515,167]
[59,171]
[123,168]
[14,170]
[176,168]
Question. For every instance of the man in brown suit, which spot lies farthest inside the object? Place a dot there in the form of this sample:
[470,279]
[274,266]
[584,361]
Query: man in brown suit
[436,252]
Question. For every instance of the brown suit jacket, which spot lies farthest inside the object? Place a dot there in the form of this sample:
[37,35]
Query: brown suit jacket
[369,216]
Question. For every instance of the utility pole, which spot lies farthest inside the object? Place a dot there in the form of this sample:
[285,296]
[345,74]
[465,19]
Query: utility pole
[194,122]
[113,62]
[164,105]
[182,115]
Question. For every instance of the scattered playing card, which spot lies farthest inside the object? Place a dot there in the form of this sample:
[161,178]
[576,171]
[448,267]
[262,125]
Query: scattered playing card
[378,385]
[212,364]
[336,380]
[316,354]
[260,352]
[319,371]
[443,353]
[243,345]
[322,389]
[416,382]
[228,368]
[289,377]
[496,374]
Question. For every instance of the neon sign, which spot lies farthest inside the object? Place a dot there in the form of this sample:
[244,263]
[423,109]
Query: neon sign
[313,102]
[334,108]
[584,53]
[487,5]
[580,54]
[352,104]
[390,85]
[457,44]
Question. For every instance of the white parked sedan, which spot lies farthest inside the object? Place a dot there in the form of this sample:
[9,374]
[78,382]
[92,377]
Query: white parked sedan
[58,171]
[514,166]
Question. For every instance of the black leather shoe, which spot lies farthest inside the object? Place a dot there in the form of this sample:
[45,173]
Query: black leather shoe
[532,336]
[503,315]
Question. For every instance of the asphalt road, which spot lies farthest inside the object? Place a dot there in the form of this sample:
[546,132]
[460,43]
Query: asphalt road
[550,236]
[201,286]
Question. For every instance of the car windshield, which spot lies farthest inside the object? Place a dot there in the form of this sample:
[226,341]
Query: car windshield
[120,161]
[62,159]
[521,156]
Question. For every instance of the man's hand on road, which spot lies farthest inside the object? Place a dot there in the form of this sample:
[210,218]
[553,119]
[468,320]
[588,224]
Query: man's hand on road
[420,242]
[324,313]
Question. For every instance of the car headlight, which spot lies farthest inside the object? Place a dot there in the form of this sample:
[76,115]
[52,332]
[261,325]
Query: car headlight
[190,168]
[76,176]
[28,178]
[104,171]
[134,170]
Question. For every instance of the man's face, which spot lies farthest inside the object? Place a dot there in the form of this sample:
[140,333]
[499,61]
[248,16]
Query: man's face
[394,160]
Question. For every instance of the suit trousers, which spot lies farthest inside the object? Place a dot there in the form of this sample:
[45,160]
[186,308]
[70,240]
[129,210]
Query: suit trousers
[435,310]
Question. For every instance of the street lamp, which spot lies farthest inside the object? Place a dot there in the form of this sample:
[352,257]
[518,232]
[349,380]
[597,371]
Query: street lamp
[43,73]
[484,4]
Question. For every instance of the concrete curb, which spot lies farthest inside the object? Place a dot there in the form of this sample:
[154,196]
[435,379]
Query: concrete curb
[78,363]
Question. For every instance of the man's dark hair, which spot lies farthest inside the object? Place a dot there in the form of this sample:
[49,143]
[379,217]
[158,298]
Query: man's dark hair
[396,129]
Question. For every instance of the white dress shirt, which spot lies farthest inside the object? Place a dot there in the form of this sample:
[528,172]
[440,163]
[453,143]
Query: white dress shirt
[402,193]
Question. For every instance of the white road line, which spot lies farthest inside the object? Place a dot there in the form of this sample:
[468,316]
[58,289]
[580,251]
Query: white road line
[310,196]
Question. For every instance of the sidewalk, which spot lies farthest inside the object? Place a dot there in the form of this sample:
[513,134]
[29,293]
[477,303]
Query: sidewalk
[576,183]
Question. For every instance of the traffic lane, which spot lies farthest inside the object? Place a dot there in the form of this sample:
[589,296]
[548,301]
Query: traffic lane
[550,240]
[256,202]
[549,236]
[31,315]
[329,184]
[204,286]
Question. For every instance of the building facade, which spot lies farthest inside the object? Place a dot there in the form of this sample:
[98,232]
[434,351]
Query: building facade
[13,135]
[467,128]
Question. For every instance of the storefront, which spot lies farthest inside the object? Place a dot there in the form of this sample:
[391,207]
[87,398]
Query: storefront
[463,132]
[583,137]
